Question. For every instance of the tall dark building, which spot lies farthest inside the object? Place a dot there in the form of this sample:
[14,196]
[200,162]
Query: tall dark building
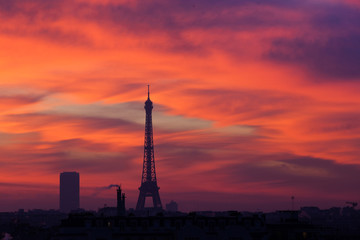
[69,191]
[149,187]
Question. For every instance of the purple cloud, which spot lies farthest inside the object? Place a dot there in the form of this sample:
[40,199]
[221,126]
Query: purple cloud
[335,58]
[305,174]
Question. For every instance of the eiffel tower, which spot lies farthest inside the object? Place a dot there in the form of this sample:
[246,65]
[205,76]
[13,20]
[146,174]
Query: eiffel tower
[149,187]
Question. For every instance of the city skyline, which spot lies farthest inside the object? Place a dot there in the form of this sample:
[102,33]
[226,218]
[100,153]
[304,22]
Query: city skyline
[254,102]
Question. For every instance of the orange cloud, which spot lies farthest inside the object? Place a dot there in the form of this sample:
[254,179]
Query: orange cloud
[249,99]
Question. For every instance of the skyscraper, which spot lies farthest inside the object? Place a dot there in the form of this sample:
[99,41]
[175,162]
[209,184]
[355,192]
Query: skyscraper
[149,187]
[69,191]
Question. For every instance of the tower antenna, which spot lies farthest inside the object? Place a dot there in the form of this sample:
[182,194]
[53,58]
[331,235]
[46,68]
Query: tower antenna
[148,91]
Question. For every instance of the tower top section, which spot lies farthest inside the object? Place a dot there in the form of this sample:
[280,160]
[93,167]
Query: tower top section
[148,103]
[148,91]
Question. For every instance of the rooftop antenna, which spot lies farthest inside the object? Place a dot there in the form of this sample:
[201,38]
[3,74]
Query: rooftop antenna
[292,203]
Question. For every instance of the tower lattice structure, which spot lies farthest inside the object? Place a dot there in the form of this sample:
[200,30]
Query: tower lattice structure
[149,187]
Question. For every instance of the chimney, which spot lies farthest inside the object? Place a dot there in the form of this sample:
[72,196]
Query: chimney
[120,202]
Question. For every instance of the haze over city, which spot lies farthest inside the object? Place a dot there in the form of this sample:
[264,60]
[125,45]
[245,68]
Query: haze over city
[254,101]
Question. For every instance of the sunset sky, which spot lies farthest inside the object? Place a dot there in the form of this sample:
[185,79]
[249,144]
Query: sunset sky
[254,101]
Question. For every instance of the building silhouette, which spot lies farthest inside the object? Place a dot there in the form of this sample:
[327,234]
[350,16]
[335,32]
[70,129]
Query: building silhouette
[69,191]
[171,206]
[148,187]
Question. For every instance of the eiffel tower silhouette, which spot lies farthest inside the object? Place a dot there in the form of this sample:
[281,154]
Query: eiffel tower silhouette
[149,187]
